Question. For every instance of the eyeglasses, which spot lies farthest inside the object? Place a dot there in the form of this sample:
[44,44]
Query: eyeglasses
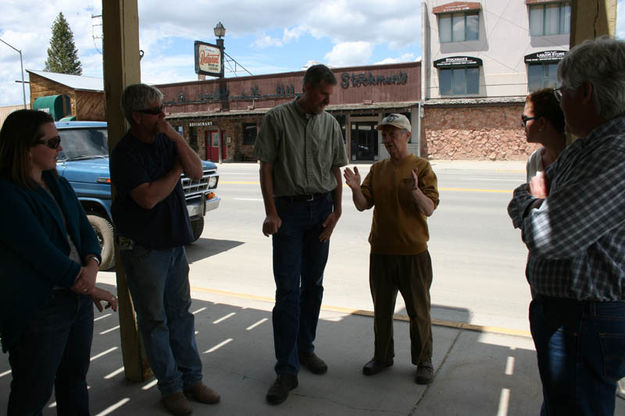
[557,92]
[52,142]
[525,119]
[154,111]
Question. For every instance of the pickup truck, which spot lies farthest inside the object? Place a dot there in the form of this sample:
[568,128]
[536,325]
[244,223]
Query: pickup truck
[84,162]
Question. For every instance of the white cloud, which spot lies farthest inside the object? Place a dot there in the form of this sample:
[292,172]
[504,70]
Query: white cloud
[266,41]
[349,53]
[407,57]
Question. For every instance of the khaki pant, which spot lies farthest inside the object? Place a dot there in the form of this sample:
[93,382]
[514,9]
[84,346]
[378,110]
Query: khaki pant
[412,276]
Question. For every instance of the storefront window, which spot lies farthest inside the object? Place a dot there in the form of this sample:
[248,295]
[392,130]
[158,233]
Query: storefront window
[541,76]
[459,81]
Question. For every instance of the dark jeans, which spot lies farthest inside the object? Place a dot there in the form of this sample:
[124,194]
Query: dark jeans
[412,277]
[299,259]
[581,354]
[158,281]
[54,350]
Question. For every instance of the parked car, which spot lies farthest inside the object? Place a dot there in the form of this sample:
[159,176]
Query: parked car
[84,162]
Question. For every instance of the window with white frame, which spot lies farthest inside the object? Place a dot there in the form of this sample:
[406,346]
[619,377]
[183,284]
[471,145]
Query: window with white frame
[459,81]
[458,27]
[542,76]
[550,19]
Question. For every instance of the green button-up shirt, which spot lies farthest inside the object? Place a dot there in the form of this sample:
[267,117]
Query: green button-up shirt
[302,148]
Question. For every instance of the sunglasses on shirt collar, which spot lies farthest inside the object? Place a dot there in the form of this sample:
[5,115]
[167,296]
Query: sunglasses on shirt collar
[154,111]
[52,142]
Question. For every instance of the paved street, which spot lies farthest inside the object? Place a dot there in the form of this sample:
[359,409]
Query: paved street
[478,257]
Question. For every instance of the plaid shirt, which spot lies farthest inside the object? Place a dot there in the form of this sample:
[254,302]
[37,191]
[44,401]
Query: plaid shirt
[576,238]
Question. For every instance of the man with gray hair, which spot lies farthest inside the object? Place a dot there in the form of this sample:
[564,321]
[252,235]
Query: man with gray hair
[153,226]
[403,190]
[572,221]
[301,150]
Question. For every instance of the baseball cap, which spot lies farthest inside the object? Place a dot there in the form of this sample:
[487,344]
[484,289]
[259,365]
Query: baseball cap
[396,120]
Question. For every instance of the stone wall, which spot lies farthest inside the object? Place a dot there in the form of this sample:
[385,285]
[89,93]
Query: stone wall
[476,132]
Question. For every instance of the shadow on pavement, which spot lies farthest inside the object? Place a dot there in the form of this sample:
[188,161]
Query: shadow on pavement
[476,374]
[207,247]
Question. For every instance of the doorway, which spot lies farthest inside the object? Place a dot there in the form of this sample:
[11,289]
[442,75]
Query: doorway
[364,138]
[215,140]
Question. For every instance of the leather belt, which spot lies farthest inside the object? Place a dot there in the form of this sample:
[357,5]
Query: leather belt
[303,198]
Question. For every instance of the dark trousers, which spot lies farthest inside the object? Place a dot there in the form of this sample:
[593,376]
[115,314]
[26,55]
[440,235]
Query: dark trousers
[580,348]
[412,277]
[299,259]
[54,351]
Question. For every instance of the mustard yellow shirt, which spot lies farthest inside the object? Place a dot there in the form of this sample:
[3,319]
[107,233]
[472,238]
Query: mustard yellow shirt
[398,226]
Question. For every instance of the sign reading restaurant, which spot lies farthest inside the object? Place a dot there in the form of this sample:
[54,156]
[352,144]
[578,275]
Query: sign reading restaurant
[207,59]
[457,62]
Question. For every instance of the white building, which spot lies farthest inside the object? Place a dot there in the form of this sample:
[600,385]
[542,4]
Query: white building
[479,61]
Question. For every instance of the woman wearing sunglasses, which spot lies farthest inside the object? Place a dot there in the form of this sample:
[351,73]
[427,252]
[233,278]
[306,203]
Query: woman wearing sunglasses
[543,122]
[49,257]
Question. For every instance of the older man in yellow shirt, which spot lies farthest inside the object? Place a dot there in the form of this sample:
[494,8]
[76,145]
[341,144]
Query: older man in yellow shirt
[403,191]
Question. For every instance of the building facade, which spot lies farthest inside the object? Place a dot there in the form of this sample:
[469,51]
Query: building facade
[480,60]
[221,117]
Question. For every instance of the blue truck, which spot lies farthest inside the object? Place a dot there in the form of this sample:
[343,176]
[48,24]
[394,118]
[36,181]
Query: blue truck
[84,162]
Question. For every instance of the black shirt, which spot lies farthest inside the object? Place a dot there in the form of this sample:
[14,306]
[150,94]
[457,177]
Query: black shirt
[133,163]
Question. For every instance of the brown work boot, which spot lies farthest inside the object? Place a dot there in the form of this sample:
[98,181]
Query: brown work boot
[200,392]
[177,404]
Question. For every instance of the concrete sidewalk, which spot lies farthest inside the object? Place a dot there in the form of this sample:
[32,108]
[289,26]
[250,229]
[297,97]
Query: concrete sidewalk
[476,373]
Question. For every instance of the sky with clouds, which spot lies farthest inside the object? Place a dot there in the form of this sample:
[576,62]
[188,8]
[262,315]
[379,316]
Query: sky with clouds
[267,36]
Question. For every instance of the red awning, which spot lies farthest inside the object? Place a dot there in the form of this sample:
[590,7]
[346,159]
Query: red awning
[457,6]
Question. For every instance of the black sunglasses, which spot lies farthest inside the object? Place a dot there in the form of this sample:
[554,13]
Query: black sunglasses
[154,111]
[525,119]
[52,142]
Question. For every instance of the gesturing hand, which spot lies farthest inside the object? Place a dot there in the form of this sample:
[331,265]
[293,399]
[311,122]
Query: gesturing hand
[352,178]
[415,178]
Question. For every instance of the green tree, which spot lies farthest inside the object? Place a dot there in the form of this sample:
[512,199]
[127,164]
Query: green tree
[62,53]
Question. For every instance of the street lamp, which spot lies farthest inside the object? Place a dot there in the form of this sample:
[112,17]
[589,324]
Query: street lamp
[22,67]
[220,30]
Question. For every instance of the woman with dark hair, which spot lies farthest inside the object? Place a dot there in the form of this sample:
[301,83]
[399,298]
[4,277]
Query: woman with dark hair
[49,257]
[543,121]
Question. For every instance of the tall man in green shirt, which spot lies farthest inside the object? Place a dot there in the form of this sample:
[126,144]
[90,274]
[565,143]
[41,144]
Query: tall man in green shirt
[404,191]
[301,150]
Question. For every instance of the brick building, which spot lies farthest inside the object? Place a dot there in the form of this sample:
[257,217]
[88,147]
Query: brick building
[222,116]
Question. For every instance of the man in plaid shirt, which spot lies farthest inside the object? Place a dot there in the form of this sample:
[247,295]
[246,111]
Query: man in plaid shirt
[572,220]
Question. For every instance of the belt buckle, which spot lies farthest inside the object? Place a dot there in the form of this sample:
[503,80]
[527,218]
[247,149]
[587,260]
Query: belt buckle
[310,197]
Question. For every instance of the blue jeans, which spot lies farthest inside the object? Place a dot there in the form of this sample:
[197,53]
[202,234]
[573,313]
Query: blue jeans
[54,350]
[299,259]
[158,281]
[581,354]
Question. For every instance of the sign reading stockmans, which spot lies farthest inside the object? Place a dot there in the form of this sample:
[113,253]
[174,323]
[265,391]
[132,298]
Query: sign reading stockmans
[368,79]
[457,62]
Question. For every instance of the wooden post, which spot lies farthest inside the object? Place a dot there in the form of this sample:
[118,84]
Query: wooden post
[591,19]
[120,21]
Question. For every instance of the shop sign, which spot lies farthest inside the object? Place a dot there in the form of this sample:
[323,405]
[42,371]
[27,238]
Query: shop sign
[545,57]
[200,124]
[368,79]
[457,62]
[208,59]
